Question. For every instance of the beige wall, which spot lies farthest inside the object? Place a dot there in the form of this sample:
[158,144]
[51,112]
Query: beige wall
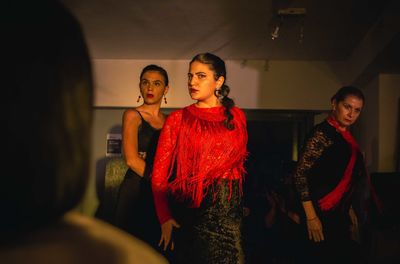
[254,84]
[378,128]
[367,131]
[104,121]
[389,96]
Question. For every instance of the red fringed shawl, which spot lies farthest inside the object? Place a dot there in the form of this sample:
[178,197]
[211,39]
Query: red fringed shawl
[195,144]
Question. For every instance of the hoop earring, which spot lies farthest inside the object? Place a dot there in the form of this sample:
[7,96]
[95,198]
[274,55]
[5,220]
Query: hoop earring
[165,99]
[218,94]
[138,99]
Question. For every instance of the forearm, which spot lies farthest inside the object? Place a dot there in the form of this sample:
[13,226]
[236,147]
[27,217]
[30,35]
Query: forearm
[309,210]
[138,165]
[163,162]
[161,205]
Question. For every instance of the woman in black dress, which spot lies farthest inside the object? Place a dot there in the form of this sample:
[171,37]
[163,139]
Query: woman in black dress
[135,211]
[329,171]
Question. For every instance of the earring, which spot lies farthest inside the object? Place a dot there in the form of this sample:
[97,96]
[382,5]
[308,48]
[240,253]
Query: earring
[218,93]
[165,99]
[138,99]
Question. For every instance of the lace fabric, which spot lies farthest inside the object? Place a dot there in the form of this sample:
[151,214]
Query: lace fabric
[315,146]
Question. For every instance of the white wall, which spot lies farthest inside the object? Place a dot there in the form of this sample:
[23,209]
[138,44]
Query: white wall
[254,84]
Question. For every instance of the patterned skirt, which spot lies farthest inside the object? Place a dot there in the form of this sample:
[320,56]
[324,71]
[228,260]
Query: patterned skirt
[212,232]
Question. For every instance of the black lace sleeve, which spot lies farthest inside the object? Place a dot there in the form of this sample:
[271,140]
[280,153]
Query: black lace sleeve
[315,145]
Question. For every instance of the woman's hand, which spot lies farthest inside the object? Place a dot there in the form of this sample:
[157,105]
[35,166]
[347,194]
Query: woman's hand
[314,225]
[355,235]
[314,228]
[166,233]
[142,155]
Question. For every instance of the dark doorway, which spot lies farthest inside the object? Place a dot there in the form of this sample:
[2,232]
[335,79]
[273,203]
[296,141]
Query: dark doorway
[274,141]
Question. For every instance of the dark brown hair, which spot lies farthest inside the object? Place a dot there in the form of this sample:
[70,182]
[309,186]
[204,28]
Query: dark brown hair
[345,91]
[158,69]
[217,65]
[49,104]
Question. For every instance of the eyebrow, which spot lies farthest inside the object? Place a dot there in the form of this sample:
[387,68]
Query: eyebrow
[144,79]
[197,73]
[347,104]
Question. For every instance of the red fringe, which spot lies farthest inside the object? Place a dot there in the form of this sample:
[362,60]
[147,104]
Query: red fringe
[207,152]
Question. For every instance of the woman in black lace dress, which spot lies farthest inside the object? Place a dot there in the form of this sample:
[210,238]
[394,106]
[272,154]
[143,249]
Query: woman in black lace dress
[135,211]
[329,171]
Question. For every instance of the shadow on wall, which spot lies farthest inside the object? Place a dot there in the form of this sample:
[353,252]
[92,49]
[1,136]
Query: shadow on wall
[110,170]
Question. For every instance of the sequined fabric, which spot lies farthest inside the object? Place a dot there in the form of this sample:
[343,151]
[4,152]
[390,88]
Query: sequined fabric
[211,233]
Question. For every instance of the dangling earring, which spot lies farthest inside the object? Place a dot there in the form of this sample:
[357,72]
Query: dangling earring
[138,99]
[165,99]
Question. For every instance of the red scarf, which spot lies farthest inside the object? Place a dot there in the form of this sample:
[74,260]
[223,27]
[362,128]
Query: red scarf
[332,199]
[207,152]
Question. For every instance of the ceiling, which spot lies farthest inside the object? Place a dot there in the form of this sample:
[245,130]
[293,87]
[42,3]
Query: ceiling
[234,29]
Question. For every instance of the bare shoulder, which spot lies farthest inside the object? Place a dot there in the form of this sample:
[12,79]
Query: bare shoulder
[132,115]
[131,112]
[80,239]
[126,248]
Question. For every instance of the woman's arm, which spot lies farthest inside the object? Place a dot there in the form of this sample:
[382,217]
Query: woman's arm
[130,127]
[314,226]
[313,149]
[163,164]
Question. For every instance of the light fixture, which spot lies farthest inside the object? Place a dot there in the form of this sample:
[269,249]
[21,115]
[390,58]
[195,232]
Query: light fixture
[288,13]
[275,33]
[276,28]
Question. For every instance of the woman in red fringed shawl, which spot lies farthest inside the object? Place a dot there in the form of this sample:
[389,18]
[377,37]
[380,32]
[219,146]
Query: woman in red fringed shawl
[329,173]
[199,163]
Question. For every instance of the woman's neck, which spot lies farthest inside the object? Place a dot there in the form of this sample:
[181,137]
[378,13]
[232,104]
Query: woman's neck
[152,110]
[338,125]
[208,103]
